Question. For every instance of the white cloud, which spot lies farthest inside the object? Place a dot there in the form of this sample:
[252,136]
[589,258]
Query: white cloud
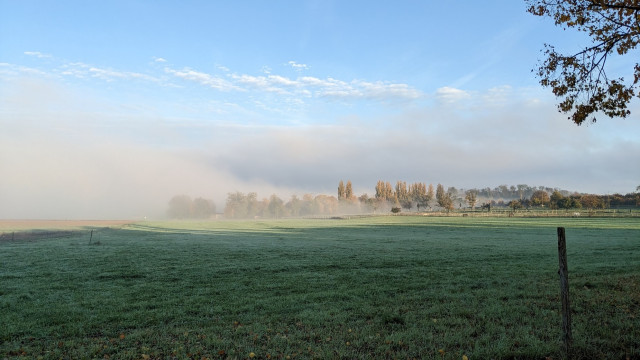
[451,95]
[159,59]
[382,91]
[84,71]
[37,54]
[298,67]
[18,70]
[203,79]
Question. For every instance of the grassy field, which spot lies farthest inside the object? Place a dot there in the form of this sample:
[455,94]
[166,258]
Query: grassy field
[381,287]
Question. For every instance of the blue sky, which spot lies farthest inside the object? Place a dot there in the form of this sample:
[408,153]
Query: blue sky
[110,108]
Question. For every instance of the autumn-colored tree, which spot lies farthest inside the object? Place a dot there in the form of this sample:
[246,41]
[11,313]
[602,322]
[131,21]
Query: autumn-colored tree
[515,204]
[430,193]
[402,195]
[580,80]
[418,194]
[444,198]
[341,190]
[348,191]
[592,202]
[540,198]
[384,191]
[555,199]
[472,197]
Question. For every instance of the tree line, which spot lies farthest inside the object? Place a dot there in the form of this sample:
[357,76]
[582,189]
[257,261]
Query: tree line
[401,196]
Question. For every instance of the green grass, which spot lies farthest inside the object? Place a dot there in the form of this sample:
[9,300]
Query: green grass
[382,287]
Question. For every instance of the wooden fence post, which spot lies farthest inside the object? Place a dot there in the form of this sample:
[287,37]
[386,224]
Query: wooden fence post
[564,292]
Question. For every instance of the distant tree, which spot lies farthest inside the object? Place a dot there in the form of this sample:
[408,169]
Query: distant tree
[389,193]
[418,194]
[348,192]
[572,202]
[402,195]
[592,202]
[294,206]
[380,190]
[554,200]
[540,198]
[444,198]
[202,208]
[326,205]
[341,191]
[384,192]
[515,204]
[180,207]
[253,206]
[503,190]
[395,210]
[430,193]
[522,188]
[367,204]
[276,206]
[580,79]
[440,194]
[472,197]
[236,206]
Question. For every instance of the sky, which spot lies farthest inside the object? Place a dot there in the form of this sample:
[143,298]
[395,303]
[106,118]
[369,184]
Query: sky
[110,108]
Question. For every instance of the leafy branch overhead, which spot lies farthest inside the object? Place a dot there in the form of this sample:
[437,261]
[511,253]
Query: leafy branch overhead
[580,80]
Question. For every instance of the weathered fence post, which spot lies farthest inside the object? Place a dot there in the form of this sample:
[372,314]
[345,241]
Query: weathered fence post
[91,237]
[564,292]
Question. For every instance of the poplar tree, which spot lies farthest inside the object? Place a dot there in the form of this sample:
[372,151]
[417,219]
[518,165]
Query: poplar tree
[341,191]
[348,192]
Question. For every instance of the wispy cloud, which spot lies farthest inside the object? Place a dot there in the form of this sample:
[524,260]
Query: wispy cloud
[17,70]
[298,67]
[111,75]
[292,90]
[205,79]
[306,86]
[451,95]
[37,54]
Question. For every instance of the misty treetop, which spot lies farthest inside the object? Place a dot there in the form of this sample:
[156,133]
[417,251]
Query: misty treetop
[183,207]
[248,206]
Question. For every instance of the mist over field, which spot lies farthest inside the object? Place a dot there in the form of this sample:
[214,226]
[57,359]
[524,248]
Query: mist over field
[111,116]
[62,161]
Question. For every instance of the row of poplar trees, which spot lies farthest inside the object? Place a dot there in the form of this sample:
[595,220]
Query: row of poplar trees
[405,196]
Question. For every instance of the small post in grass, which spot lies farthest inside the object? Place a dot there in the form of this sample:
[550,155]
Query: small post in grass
[91,237]
[564,292]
